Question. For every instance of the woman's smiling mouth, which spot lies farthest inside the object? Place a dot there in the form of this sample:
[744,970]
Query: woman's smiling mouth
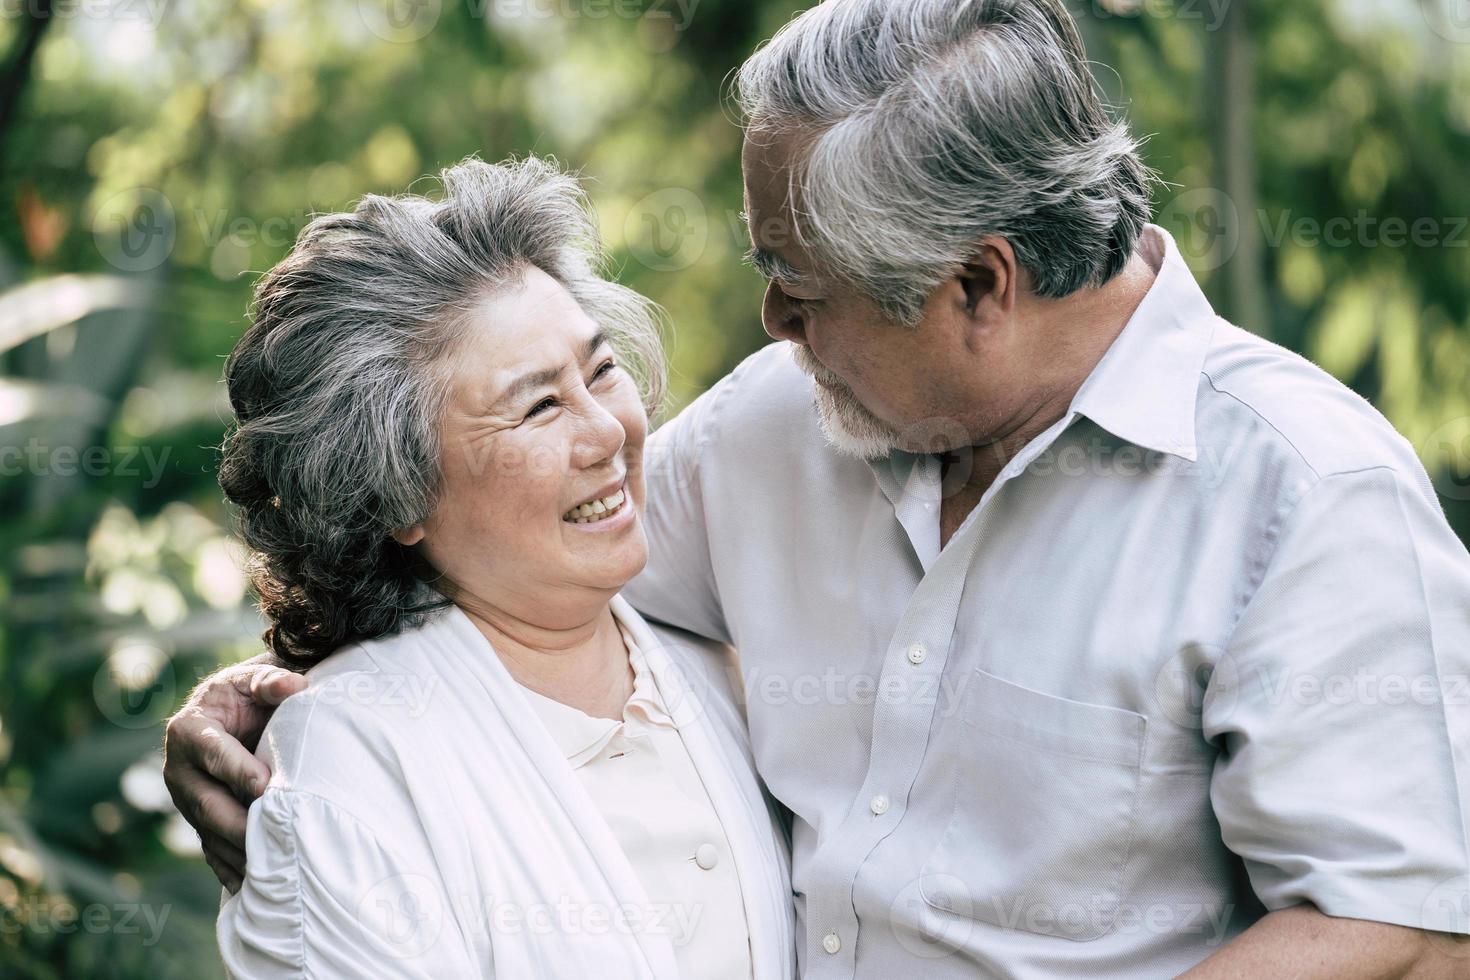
[598,509]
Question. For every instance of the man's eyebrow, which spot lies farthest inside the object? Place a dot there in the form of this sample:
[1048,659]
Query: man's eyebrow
[773,267]
[536,379]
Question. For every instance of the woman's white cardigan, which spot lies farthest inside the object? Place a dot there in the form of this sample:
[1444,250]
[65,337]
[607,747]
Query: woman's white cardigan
[420,822]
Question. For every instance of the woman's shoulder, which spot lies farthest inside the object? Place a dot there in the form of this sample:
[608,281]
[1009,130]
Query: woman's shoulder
[343,830]
[322,875]
[366,714]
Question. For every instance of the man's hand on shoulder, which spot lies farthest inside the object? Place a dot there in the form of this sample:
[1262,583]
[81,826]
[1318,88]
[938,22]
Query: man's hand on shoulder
[208,760]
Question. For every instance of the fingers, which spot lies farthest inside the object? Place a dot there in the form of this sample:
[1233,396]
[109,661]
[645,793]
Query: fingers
[213,749]
[224,853]
[227,876]
[224,699]
[207,773]
[209,769]
[273,685]
[216,812]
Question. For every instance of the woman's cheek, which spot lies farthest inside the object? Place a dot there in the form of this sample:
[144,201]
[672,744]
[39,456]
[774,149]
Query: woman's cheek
[520,456]
[545,479]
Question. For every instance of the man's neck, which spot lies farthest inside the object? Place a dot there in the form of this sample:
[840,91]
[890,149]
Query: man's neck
[1105,311]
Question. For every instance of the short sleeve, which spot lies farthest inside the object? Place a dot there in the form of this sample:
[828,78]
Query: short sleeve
[1342,713]
[678,586]
[323,896]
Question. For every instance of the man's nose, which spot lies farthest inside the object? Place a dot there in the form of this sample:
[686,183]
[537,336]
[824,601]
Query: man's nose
[781,320]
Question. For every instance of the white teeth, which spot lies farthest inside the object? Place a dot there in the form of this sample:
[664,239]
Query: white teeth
[595,510]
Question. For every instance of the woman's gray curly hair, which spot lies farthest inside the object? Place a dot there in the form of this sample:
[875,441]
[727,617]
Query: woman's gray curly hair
[339,385]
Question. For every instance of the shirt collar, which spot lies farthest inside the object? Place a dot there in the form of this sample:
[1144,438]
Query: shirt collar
[1143,389]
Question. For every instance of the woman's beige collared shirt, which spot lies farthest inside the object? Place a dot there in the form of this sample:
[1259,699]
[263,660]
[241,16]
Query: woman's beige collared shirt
[641,779]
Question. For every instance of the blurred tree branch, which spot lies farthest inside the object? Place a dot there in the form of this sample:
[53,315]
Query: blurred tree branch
[18,67]
[1230,98]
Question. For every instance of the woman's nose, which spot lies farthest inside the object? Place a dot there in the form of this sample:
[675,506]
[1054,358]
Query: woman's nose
[599,438]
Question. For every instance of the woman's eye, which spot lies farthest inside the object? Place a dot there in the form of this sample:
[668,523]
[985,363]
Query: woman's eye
[604,369]
[541,406]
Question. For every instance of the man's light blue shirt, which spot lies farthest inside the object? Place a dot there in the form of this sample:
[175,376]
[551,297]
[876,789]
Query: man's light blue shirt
[1201,651]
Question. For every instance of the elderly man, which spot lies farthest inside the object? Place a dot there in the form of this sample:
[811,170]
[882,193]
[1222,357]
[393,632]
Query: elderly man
[1082,632]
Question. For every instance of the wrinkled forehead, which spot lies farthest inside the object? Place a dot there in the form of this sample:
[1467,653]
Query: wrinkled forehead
[769,155]
[767,159]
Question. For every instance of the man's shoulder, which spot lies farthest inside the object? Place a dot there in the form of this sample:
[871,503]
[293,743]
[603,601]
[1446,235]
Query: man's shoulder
[1254,389]
[758,422]
[771,370]
[709,666]
[765,390]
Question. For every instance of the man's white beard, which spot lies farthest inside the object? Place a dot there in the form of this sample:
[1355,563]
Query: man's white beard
[849,427]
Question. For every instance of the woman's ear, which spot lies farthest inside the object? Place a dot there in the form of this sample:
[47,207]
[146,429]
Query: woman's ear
[409,536]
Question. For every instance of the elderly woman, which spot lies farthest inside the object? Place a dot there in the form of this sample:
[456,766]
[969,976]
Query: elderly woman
[498,769]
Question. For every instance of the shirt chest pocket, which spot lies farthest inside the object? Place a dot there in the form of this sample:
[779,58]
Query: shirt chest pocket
[1043,819]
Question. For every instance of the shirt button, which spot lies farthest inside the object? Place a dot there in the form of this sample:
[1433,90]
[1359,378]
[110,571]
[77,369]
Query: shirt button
[706,856]
[831,943]
[879,804]
[917,653]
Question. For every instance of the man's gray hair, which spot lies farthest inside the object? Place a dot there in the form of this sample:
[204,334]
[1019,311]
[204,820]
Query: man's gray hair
[340,384]
[934,123]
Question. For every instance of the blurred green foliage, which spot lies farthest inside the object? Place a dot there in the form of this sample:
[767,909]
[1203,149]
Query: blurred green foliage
[155,156]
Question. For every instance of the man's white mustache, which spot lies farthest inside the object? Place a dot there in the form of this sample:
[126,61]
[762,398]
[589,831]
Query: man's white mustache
[808,363]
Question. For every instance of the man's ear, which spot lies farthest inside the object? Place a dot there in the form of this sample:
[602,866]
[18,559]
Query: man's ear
[989,280]
[409,536]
